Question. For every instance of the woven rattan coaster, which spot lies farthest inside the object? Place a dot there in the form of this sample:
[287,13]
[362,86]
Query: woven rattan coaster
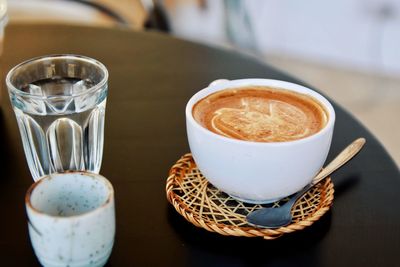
[207,207]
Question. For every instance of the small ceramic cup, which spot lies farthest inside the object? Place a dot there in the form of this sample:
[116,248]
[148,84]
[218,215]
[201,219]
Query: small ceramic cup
[258,172]
[71,219]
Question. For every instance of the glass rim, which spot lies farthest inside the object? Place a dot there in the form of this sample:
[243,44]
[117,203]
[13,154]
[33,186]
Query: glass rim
[97,86]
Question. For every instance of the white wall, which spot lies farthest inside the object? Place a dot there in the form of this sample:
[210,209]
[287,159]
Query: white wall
[362,34]
[354,33]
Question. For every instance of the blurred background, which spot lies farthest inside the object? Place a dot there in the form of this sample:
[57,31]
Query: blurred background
[348,49]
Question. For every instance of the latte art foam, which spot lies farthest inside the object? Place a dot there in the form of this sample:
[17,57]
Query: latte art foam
[260,114]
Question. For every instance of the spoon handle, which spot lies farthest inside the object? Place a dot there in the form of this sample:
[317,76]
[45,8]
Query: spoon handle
[348,153]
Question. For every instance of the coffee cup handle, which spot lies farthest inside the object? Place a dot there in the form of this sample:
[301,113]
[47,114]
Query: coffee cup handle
[218,81]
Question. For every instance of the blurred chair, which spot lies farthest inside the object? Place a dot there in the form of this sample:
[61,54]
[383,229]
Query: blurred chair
[156,17]
[109,13]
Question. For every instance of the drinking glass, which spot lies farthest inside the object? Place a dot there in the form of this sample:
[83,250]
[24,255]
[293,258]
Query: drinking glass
[59,102]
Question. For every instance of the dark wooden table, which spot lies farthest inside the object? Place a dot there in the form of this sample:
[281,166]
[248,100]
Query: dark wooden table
[151,78]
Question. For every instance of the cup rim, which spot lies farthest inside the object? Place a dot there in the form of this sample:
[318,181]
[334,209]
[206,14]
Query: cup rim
[227,84]
[106,202]
[99,85]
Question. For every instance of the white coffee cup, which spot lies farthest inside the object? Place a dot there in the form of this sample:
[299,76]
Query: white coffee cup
[258,172]
[71,219]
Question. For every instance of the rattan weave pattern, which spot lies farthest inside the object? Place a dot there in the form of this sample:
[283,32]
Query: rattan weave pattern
[207,207]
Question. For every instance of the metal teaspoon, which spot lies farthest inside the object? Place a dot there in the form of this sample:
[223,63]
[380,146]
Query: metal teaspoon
[282,216]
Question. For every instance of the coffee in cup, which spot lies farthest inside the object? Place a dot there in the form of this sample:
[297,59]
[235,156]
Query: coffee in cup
[260,114]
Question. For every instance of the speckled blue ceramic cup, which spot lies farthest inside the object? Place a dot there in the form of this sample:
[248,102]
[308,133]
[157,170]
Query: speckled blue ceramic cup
[71,219]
